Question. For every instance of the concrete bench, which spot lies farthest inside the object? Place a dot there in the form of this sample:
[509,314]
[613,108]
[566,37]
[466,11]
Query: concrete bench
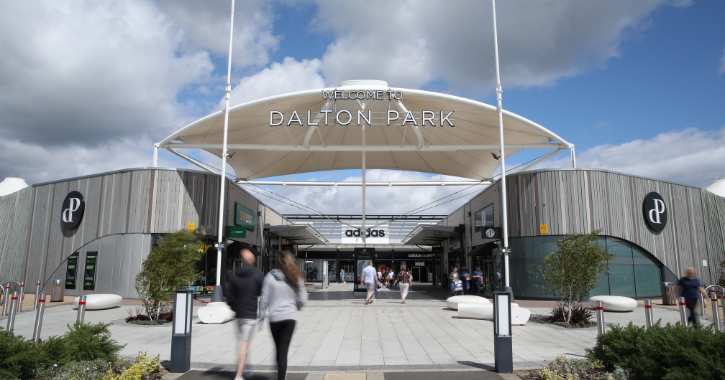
[100,301]
[215,313]
[614,303]
[454,301]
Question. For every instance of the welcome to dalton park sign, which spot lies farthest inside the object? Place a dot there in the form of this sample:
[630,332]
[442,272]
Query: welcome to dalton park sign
[345,117]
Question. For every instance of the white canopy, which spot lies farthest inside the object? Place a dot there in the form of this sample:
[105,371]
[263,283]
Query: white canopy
[464,149]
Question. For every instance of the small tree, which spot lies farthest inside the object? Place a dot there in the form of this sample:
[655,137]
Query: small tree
[573,270]
[721,271]
[171,265]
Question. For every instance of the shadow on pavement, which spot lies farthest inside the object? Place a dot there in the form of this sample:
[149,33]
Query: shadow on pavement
[226,375]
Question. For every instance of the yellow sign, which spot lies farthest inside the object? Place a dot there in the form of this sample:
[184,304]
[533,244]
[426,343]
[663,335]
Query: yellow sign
[192,227]
[544,228]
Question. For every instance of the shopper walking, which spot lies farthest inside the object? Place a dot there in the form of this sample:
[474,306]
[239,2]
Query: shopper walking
[283,294]
[405,281]
[465,276]
[342,276]
[689,287]
[369,281]
[391,278]
[478,280]
[245,285]
[454,281]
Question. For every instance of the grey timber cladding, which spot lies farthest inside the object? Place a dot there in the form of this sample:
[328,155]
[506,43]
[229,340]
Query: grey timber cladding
[15,210]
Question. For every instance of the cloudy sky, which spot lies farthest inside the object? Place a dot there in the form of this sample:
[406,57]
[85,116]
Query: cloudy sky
[89,86]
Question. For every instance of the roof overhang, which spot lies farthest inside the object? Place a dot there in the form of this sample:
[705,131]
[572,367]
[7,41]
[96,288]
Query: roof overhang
[299,234]
[430,235]
[460,146]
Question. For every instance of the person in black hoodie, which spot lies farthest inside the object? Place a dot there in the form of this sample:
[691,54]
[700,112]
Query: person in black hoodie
[245,286]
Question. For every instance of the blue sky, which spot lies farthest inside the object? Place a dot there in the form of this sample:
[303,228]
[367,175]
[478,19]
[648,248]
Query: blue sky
[638,87]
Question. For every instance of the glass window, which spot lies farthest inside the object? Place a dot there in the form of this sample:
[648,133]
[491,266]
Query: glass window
[603,288]
[639,253]
[484,217]
[619,248]
[621,280]
[648,280]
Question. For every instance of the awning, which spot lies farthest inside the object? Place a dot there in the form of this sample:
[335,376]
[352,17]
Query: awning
[430,235]
[299,234]
[483,249]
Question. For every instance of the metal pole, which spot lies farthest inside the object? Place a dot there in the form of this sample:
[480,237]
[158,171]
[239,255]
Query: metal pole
[13,308]
[600,318]
[647,314]
[573,156]
[722,291]
[39,318]
[363,231]
[702,304]
[22,295]
[218,296]
[81,309]
[156,154]
[683,312]
[716,313]
[6,289]
[37,292]
[504,227]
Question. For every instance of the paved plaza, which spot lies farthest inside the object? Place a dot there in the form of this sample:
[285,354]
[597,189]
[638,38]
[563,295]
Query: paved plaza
[337,332]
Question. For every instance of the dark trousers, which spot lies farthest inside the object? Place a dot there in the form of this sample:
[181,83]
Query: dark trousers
[282,335]
[478,286]
[690,304]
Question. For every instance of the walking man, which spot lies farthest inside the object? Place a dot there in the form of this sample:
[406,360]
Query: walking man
[689,286]
[244,288]
[465,276]
[369,279]
[478,280]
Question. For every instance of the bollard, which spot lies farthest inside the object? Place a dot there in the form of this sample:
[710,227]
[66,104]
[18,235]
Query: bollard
[81,309]
[647,314]
[683,312]
[723,302]
[13,308]
[39,318]
[5,299]
[21,296]
[702,304]
[37,293]
[600,317]
[715,313]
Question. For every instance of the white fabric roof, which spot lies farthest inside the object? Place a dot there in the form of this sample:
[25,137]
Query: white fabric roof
[464,150]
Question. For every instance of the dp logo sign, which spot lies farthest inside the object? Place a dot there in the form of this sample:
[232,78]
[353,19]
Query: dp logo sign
[73,208]
[655,211]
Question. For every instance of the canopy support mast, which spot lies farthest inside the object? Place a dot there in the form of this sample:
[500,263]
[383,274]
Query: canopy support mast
[504,210]
[217,295]
[363,231]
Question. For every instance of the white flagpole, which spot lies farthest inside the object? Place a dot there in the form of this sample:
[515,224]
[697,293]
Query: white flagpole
[504,219]
[217,295]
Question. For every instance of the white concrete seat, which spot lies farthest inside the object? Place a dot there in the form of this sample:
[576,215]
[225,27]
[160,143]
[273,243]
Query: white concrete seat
[453,302]
[100,301]
[215,313]
[519,315]
[614,303]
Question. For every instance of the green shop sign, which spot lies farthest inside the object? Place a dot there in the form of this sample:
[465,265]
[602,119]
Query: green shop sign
[236,232]
[244,217]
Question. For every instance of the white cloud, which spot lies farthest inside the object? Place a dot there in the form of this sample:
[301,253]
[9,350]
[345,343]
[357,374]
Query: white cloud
[279,78]
[722,64]
[689,156]
[410,43]
[380,200]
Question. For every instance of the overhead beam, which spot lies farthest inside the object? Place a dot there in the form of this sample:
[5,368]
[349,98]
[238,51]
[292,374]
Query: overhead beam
[361,148]
[315,183]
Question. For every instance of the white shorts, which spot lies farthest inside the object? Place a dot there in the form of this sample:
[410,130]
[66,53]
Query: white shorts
[246,328]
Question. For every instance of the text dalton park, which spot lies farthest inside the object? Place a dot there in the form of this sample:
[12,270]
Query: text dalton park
[345,117]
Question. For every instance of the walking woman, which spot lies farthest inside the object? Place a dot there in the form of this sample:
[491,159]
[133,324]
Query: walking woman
[405,280]
[283,294]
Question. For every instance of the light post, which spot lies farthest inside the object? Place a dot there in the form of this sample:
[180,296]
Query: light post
[181,331]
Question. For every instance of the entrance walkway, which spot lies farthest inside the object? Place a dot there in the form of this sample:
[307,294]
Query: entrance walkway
[337,332]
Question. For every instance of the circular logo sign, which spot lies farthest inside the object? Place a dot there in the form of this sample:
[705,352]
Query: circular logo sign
[655,211]
[73,208]
[490,232]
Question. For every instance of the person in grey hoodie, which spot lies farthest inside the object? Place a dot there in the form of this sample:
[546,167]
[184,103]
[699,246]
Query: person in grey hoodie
[283,294]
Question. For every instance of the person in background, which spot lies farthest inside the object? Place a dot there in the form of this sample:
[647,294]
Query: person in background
[369,281]
[689,287]
[498,280]
[391,278]
[454,279]
[465,276]
[405,280]
[342,276]
[478,280]
[245,285]
[283,294]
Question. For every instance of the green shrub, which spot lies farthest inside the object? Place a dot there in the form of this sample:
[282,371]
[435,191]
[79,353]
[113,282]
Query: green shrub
[18,356]
[88,342]
[564,368]
[669,352]
[82,370]
[580,315]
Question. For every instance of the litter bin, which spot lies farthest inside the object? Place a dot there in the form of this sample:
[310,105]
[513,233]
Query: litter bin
[669,293]
[57,291]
